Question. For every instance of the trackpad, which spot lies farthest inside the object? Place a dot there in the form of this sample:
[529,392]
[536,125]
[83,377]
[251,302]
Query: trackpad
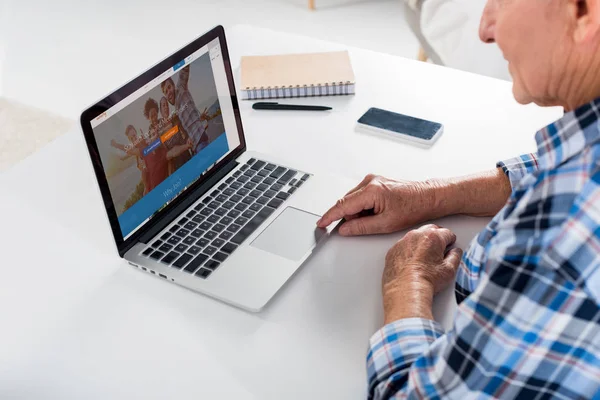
[293,233]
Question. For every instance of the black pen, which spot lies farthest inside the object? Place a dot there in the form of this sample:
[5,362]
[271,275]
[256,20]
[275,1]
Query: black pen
[294,107]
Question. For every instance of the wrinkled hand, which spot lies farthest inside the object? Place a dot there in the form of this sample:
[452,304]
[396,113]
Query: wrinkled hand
[381,205]
[421,257]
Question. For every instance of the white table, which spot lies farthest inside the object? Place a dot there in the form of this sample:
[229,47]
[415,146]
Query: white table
[78,322]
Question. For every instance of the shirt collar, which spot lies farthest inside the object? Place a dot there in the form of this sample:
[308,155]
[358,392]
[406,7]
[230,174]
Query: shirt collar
[569,136]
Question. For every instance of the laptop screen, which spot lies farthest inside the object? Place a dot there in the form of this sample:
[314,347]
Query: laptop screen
[158,141]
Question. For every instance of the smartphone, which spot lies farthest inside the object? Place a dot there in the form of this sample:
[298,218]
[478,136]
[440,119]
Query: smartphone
[401,127]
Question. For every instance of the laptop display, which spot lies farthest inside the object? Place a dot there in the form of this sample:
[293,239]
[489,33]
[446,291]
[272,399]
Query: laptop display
[158,141]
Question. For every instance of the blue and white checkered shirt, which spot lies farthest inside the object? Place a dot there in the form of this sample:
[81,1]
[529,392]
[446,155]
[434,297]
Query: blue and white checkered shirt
[528,322]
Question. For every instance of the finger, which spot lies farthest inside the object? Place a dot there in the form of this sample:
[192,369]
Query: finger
[348,205]
[448,237]
[453,257]
[363,226]
[362,184]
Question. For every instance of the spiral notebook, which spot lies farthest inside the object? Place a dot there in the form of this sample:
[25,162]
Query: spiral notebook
[297,75]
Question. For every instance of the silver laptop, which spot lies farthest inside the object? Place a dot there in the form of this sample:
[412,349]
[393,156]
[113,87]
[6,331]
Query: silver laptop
[186,202]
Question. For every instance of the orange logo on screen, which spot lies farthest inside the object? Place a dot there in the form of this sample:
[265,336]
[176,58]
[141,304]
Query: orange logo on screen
[169,134]
[101,116]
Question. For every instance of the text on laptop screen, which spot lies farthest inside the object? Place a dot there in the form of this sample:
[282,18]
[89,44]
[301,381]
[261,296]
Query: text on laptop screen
[159,140]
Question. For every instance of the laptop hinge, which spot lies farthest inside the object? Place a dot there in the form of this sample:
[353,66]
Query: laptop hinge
[187,202]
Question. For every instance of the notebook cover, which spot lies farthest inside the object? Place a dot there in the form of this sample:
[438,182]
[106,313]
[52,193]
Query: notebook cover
[296,70]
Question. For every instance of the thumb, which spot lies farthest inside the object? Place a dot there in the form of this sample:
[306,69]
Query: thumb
[362,226]
[453,257]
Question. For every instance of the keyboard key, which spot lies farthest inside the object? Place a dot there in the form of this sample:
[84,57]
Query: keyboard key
[277,187]
[228,191]
[243,192]
[197,233]
[270,193]
[229,248]
[165,248]
[218,228]
[292,190]
[182,232]
[251,161]
[233,213]
[174,228]
[241,206]
[217,243]
[287,176]
[236,185]
[226,235]
[182,221]
[198,219]
[157,244]
[221,211]
[166,235]
[255,207]
[275,203]
[268,181]
[229,180]
[157,255]
[233,228]
[305,177]
[194,250]
[181,248]
[181,261]
[199,207]
[236,198]
[249,185]
[206,212]
[248,214]
[212,265]
[250,173]
[207,200]
[190,225]
[256,179]
[237,173]
[215,193]
[148,251]
[196,263]
[262,187]
[221,198]
[278,172]
[210,235]
[213,218]
[214,204]
[299,184]
[202,242]
[222,186]
[205,226]
[203,273]
[263,200]
[243,167]
[252,225]
[263,172]
[270,167]
[169,258]
[241,220]
[191,214]
[283,195]
[220,256]
[226,220]
[210,250]
[248,200]
[189,240]
[255,193]
[258,165]
[243,179]
[228,205]
[293,182]
[174,240]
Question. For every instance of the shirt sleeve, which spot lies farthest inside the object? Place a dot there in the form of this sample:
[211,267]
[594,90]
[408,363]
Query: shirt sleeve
[518,167]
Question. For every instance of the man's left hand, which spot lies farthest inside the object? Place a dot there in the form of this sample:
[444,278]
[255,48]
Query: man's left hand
[416,268]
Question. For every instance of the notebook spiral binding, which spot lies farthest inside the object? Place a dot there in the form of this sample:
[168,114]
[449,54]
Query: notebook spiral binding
[327,89]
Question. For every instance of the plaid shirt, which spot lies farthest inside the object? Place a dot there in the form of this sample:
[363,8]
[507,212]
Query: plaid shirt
[528,288]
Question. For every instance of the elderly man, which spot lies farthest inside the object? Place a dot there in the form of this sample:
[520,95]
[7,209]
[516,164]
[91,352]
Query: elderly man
[528,323]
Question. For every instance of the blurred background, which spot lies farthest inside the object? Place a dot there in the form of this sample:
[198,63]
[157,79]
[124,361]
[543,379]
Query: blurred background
[56,55]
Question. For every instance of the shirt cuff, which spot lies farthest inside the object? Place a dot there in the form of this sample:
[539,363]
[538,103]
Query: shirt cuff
[392,351]
[518,167]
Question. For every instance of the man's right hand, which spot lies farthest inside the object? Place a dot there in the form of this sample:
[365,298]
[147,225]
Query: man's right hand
[381,205]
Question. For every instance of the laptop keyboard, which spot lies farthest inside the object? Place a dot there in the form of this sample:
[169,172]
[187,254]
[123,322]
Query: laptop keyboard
[211,230]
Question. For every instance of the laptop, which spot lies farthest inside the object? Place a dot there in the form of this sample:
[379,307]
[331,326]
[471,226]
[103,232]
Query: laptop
[185,200]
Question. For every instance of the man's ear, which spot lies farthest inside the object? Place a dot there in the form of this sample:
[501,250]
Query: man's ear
[587,26]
